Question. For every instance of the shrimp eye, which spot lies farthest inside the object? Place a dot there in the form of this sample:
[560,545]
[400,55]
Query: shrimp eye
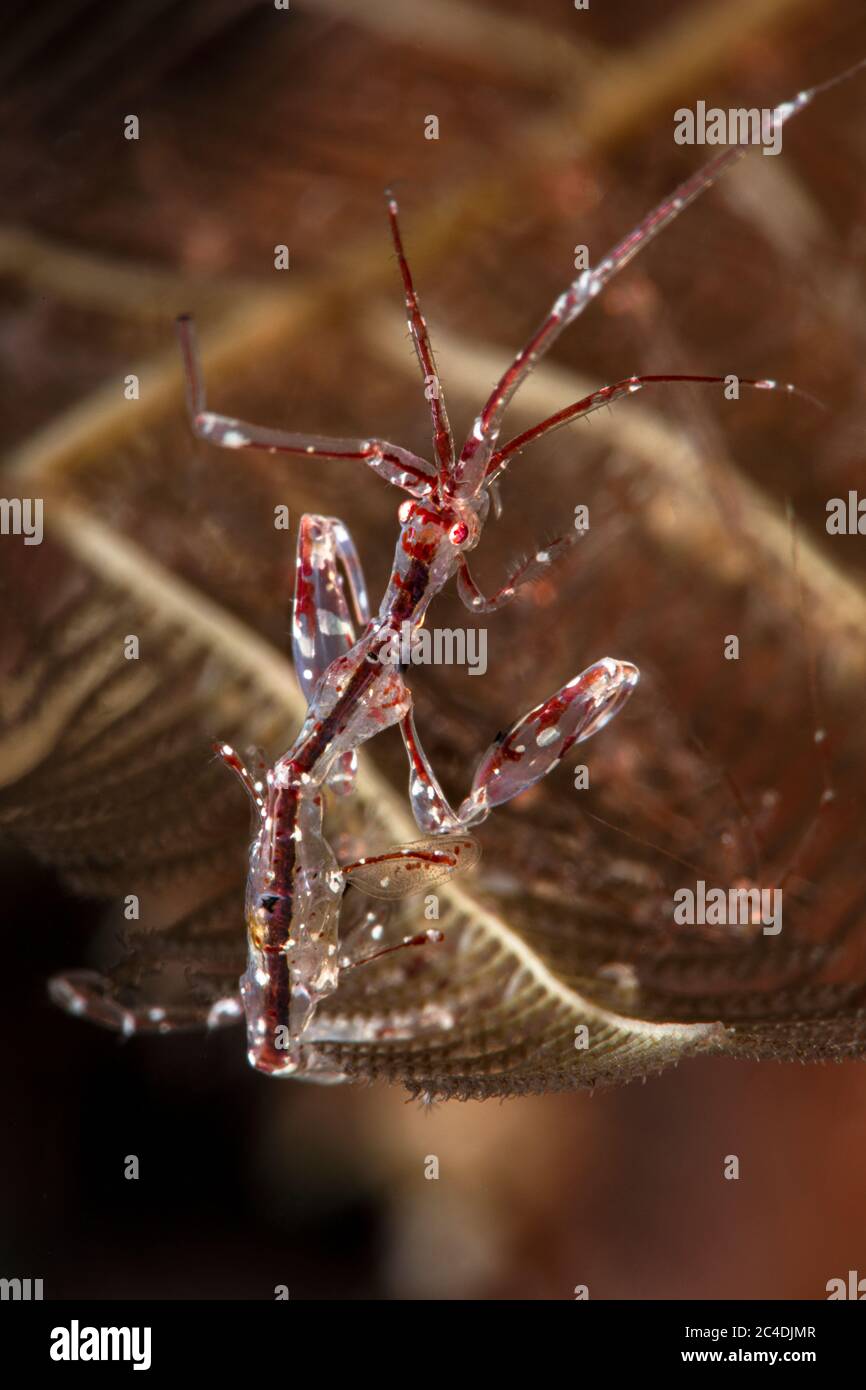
[458,533]
[268,903]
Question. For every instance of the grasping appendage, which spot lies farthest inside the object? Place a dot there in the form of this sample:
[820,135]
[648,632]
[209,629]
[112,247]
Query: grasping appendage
[341,652]
[344,664]
[343,659]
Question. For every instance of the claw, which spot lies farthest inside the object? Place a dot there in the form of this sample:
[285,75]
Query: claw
[540,740]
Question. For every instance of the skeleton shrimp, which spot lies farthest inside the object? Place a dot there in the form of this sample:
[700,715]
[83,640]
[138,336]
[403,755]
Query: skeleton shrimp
[354,689]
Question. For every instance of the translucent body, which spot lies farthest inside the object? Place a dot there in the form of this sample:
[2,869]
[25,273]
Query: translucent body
[295,884]
[295,887]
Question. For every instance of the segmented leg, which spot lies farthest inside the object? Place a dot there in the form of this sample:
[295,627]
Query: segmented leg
[443,442]
[398,873]
[365,941]
[470,469]
[322,625]
[606,395]
[535,565]
[406,470]
[431,937]
[252,775]
[406,869]
[87,994]
[527,752]
[530,570]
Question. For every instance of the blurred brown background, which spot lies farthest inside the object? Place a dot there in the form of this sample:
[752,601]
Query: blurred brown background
[261,127]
